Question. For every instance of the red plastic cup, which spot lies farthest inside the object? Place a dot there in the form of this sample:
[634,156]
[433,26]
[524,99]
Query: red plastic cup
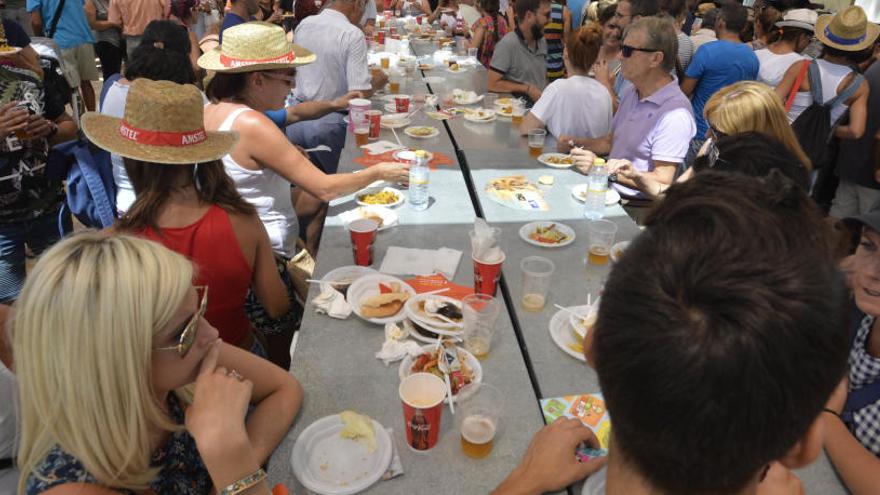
[487,275]
[392,31]
[401,103]
[363,234]
[375,119]
[422,397]
[380,37]
[387,12]
[419,19]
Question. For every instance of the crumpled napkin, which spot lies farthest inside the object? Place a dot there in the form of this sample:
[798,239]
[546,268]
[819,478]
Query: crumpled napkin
[379,147]
[395,469]
[332,303]
[396,345]
[484,242]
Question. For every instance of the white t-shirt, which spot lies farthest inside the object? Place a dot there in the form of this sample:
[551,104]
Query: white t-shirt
[577,105]
[114,106]
[772,66]
[369,12]
[342,53]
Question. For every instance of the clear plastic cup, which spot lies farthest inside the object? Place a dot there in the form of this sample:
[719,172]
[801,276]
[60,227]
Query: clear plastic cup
[536,142]
[537,273]
[478,420]
[480,313]
[600,236]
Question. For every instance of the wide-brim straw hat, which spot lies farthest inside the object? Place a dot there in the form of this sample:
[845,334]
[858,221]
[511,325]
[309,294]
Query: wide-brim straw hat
[163,123]
[254,46]
[799,18]
[847,30]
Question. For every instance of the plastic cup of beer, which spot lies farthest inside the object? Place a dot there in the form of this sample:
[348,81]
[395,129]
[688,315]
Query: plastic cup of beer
[478,420]
[394,85]
[600,234]
[421,395]
[489,100]
[480,313]
[385,61]
[537,273]
[362,134]
[518,112]
[536,142]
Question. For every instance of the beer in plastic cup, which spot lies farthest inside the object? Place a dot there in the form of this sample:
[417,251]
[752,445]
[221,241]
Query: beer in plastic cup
[537,274]
[480,313]
[362,134]
[479,417]
[536,142]
[422,397]
[600,235]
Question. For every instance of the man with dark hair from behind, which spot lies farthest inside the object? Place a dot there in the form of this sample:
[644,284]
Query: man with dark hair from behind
[716,363]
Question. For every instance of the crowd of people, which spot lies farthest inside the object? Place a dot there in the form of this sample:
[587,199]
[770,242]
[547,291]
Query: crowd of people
[152,355]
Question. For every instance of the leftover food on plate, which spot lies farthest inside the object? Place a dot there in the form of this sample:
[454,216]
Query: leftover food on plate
[427,361]
[463,97]
[425,66]
[480,115]
[359,428]
[548,234]
[387,303]
[512,183]
[438,115]
[421,131]
[441,310]
[383,197]
[505,102]
[558,159]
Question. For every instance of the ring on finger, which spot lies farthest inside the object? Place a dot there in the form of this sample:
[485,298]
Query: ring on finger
[235,374]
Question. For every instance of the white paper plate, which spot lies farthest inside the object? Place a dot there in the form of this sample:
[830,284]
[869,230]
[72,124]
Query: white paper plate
[348,273]
[372,190]
[472,362]
[487,116]
[580,312]
[617,250]
[414,333]
[328,464]
[12,50]
[415,314]
[579,192]
[394,121]
[560,332]
[505,102]
[461,68]
[423,66]
[389,217]
[368,286]
[528,228]
[468,101]
[408,132]
[544,157]
[409,155]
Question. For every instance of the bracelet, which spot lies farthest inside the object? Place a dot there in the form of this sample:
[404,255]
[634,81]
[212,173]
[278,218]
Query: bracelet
[825,409]
[243,484]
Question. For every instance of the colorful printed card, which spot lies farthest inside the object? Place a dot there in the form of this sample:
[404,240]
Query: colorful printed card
[589,408]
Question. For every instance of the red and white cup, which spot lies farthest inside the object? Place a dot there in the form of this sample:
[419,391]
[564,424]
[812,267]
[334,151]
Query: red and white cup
[357,109]
[419,19]
[401,103]
[380,37]
[387,13]
[374,117]
[487,275]
[363,235]
[422,397]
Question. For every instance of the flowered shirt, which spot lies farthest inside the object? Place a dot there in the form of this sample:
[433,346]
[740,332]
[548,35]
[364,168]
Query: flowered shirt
[182,470]
[493,32]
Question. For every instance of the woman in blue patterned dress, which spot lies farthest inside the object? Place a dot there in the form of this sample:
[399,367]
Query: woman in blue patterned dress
[109,339]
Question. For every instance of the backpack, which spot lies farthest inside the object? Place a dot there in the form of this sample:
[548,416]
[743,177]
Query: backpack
[91,192]
[57,90]
[813,127]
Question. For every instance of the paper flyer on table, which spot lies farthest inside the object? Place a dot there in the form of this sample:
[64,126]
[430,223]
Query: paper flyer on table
[589,408]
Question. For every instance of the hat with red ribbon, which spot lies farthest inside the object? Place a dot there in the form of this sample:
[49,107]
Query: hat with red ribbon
[163,123]
[254,46]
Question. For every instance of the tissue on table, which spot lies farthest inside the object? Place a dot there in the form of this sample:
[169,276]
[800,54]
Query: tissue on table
[409,261]
[396,345]
[484,242]
[332,303]
[380,147]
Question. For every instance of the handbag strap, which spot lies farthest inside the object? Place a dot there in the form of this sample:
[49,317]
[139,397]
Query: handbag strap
[797,84]
[50,33]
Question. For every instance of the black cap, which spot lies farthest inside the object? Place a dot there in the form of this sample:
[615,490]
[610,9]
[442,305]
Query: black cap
[870,219]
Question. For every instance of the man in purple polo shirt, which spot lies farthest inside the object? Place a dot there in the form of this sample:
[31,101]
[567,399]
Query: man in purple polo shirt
[654,123]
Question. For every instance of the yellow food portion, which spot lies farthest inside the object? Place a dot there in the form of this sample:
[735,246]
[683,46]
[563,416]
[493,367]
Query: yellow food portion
[379,198]
[6,48]
[559,160]
[358,428]
[421,131]
[578,348]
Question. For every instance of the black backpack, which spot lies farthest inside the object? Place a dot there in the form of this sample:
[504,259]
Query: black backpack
[813,127]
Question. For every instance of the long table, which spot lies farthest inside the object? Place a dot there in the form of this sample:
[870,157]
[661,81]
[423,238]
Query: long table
[334,359]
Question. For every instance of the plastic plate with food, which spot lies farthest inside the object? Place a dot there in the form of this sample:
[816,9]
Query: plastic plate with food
[379,298]
[547,234]
[342,277]
[384,216]
[456,68]
[579,192]
[556,160]
[462,97]
[470,373]
[481,115]
[409,155]
[341,454]
[439,313]
[421,132]
[564,335]
[394,121]
[379,196]
[617,250]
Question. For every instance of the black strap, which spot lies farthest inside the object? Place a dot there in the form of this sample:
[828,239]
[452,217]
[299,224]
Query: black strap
[50,33]
[7,463]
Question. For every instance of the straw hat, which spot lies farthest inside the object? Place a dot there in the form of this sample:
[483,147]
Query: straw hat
[799,18]
[254,46]
[847,30]
[163,123]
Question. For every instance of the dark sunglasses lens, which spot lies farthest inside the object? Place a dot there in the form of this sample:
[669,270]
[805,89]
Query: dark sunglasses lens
[626,51]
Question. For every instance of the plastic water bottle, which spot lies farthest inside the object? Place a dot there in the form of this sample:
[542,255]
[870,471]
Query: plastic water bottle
[597,184]
[418,181]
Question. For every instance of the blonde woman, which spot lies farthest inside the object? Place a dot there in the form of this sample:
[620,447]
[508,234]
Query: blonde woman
[746,106]
[106,332]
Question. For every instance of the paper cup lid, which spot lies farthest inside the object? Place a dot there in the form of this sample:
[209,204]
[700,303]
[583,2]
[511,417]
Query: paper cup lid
[359,102]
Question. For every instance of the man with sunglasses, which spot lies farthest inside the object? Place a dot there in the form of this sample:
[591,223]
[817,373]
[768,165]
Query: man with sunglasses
[654,122]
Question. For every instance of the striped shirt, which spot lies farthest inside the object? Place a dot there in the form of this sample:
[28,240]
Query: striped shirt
[553,32]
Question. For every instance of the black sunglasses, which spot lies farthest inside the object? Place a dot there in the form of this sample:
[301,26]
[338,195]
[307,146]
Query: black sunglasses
[627,50]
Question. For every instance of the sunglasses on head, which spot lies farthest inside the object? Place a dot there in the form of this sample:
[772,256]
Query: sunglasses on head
[191,330]
[627,50]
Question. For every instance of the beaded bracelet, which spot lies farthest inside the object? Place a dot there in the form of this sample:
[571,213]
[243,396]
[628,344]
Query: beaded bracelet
[244,483]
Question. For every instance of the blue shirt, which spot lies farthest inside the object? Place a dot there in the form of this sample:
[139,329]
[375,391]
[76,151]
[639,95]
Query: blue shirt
[229,20]
[73,28]
[715,65]
[576,7]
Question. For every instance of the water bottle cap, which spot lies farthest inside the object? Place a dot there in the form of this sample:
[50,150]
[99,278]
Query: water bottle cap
[421,154]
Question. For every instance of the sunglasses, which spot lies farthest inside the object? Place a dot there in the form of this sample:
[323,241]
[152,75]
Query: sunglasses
[289,78]
[191,330]
[627,50]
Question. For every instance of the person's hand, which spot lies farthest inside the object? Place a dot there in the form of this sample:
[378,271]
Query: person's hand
[780,481]
[534,93]
[12,119]
[369,29]
[564,143]
[550,463]
[838,397]
[39,127]
[623,168]
[582,159]
[220,403]
[380,78]
[275,17]
[393,172]
[601,72]
[341,103]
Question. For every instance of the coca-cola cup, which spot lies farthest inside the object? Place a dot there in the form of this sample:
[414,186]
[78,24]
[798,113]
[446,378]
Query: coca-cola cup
[375,119]
[422,397]
[380,37]
[363,234]
[419,19]
[487,275]
[401,103]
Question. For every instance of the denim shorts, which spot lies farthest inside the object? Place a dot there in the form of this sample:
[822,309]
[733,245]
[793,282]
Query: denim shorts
[38,234]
